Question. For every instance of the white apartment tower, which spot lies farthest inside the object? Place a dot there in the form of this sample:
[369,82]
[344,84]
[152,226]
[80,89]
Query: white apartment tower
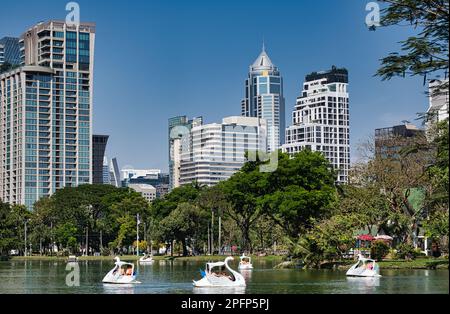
[439,99]
[46,113]
[320,120]
[217,150]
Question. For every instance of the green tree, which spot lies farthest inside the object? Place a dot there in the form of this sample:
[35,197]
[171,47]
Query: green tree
[243,191]
[426,52]
[301,189]
[12,227]
[65,235]
[367,203]
[185,224]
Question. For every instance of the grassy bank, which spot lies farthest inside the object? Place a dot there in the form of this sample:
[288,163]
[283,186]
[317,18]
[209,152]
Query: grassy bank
[420,263]
[201,258]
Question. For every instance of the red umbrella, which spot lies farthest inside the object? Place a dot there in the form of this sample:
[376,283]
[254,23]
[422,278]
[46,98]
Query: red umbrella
[365,237]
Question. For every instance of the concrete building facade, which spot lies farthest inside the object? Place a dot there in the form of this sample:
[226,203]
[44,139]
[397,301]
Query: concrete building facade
[46,113]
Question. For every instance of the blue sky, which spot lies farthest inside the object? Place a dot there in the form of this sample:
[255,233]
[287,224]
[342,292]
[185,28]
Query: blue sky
[158,59]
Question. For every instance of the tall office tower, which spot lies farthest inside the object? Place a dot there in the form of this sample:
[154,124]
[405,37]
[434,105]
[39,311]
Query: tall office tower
[264,98]
[98,155]
[115,173]
[45,113]
[179,128]
[320,120]
[11,50]
[106,176]
[217,150]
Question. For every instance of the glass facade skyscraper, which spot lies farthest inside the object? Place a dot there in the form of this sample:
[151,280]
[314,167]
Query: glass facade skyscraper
[10,51]
[46,113]
[2,54]
[98,155]
[264,99]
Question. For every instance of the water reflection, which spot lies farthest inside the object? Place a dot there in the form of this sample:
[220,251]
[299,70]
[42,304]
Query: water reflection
[219,290]
[364,284]
[176,277]
[110,288]
[246,273]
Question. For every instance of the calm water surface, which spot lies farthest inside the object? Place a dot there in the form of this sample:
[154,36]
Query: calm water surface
[177,276]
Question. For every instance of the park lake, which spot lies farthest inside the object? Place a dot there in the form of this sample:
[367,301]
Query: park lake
[166,276]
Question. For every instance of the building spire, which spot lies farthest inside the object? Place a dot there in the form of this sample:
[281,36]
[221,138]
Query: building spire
[264,45]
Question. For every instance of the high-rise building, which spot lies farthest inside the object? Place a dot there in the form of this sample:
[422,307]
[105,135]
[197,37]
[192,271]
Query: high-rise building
[264,98]
[439,99]
[115,173]
[2,54]
[46,113]
[179,128]
[391,140]
[320,120]
[98,155]
[106,175]
[11,50]
[217,150]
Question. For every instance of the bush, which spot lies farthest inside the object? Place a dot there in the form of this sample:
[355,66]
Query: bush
[406,251]
[106,251]
[379,249]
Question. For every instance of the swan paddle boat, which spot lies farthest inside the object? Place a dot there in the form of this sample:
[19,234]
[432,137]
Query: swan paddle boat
[221,279]
[365,267]
[245,263]
[146,259]
[122,273]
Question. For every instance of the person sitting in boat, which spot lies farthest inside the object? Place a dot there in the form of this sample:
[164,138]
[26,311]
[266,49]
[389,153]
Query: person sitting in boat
[129,271]
[122,271]
[370,266]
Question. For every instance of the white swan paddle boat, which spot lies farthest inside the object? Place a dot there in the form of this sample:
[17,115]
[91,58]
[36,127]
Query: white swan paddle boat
[365,267]
[245,263]
[122,273]
[212,279]
[146,259]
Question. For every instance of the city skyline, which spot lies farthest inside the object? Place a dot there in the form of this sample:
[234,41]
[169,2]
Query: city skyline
[203,63]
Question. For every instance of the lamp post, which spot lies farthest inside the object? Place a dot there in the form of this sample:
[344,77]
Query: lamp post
[25,252]
[137,234]
[220,235]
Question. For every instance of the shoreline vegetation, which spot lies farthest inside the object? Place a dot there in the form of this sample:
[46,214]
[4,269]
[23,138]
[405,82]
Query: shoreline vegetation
[419,263]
